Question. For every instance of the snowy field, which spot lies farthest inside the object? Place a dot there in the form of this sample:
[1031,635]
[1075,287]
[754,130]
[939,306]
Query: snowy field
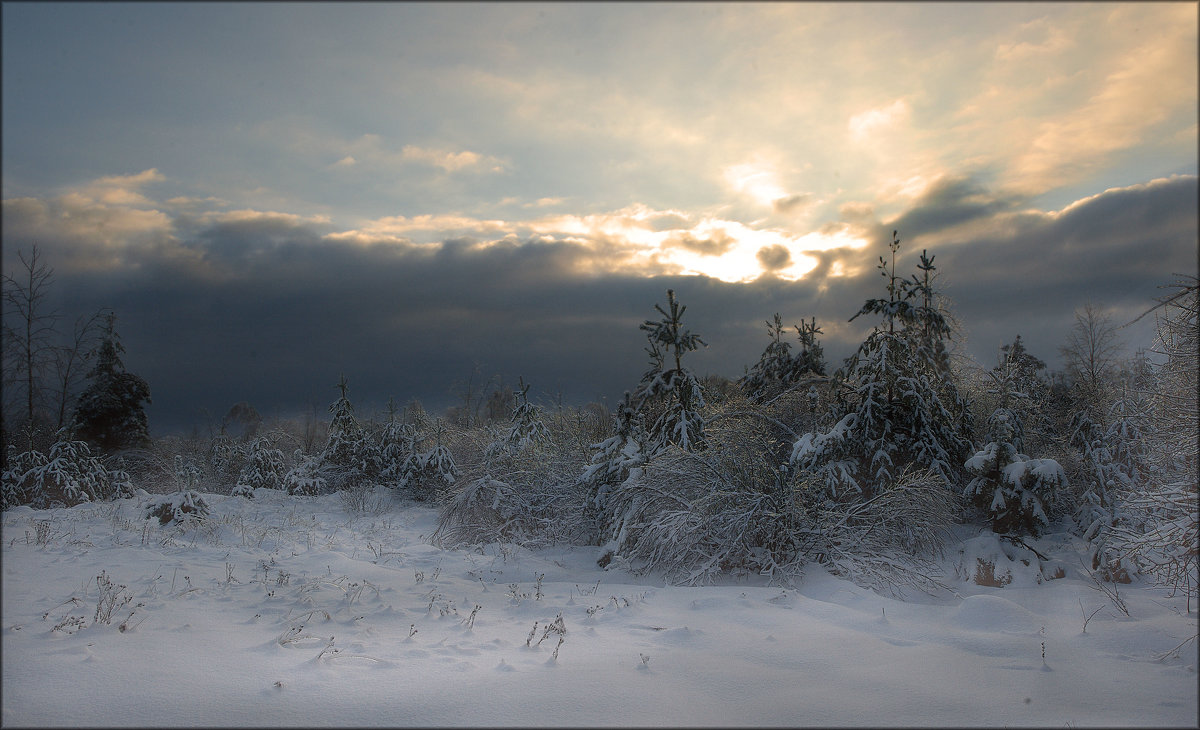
[303,611]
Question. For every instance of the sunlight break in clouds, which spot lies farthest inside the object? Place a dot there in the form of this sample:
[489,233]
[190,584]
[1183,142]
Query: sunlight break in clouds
[636,240]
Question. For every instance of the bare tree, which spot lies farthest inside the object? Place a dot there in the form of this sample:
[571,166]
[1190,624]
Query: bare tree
[1090,354]
[69,360]
[28,333]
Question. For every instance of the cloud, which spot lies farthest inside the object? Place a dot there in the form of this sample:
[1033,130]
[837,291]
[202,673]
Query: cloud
[791,203]
[222,306]
[879,120]
[451,161]
[773,257]
[947,204]
[715,245]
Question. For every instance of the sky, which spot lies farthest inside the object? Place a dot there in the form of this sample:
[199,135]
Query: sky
[419,196]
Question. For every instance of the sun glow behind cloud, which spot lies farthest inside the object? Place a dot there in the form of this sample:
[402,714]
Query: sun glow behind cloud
[633,241]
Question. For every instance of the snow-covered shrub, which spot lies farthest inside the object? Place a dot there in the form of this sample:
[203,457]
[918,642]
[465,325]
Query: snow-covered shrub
[1159,530]
[69,474]
[888,542]
[187,473]
[1011,489]
[225,458]
[692,516]
[179,508]
[530,496]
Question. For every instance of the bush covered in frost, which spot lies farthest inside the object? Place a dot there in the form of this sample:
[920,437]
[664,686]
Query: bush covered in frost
[179,508]
[67,474]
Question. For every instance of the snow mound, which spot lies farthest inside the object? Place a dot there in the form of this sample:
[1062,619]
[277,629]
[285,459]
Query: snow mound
[992,613]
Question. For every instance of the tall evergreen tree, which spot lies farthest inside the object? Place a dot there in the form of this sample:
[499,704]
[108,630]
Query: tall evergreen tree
[110,413]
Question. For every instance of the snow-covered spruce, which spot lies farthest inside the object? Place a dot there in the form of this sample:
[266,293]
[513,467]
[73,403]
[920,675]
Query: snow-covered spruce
[1008,487]
[899,400]
[777,369]
[613,458]
[425,473]
[304,477]
[265,469]
[669,393]
[526,429]
[350,455]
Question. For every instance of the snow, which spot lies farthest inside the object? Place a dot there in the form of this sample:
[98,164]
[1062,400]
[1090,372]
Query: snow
[297,611]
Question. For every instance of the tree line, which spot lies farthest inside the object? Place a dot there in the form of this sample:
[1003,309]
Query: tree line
[863,468]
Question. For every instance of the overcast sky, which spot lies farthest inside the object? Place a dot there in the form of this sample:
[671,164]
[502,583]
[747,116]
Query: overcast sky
[271,195]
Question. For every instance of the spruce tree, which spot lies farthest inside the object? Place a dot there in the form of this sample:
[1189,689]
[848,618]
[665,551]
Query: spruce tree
[110,414]
[67,474]
[527,429]
[669,389]
[613,458]
[348,452]
[777,369]
[265,469]
[1014,492]
[900,404]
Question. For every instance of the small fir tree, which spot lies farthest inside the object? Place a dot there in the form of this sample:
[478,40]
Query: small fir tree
[613,458]
[265,469]
[431,470]
[669,388]
[68,474]
[348,451]
[304,478]
[1009,487]
[395,445]
[527,429]
[777,369]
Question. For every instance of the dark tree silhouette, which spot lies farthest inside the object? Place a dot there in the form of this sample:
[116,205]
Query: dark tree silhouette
[110,414]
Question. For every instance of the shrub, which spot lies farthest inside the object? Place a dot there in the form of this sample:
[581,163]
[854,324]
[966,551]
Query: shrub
[67,475]
[181,507]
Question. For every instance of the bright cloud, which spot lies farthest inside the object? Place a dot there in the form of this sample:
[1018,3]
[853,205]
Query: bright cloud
[450,161]
[879,120]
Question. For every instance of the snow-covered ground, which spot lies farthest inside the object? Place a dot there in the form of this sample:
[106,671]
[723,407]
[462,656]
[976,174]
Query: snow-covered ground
[305,611]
